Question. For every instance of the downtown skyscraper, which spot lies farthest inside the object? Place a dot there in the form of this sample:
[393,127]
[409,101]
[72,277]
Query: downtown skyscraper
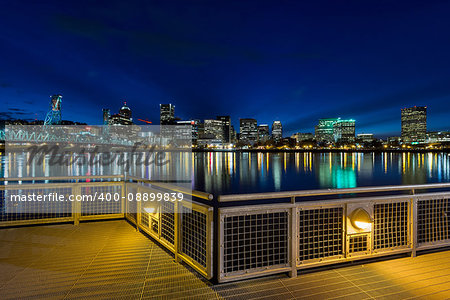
[414,124]
[248,131]
[167,114]
[277,131]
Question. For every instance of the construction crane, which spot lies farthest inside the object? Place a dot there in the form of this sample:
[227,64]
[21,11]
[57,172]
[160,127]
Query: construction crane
[145,121]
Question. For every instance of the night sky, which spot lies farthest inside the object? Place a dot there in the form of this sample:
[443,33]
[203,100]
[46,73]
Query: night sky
[295,61]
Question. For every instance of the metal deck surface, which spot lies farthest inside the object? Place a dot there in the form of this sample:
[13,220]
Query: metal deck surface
[110,260]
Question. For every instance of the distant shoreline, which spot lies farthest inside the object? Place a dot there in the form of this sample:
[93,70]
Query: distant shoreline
[325,150]
[2,148]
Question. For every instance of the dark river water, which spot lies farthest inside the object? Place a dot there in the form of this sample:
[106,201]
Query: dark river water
[243,172]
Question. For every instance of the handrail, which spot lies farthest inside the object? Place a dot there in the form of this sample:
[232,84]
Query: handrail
[201,195]
[61,178]
[323,192]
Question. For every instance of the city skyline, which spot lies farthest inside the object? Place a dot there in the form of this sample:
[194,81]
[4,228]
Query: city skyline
[210,60]
[332,128]
[238,149]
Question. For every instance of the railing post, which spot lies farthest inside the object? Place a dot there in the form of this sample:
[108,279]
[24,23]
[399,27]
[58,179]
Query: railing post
[293,239]
[138,213]
[76,205]
[177,230]
[124,198]
[413,226]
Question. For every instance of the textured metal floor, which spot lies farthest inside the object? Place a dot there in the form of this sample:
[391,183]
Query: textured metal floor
[110,260]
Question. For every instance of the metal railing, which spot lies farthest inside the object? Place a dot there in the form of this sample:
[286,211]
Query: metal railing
[256,240]
[235,236]
[28,213]
[183,227]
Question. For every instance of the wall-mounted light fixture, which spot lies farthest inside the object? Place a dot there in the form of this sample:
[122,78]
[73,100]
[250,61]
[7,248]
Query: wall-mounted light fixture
[361,219]
[150,210]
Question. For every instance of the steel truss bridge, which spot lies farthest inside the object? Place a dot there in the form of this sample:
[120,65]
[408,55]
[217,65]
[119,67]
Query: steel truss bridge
[50,136]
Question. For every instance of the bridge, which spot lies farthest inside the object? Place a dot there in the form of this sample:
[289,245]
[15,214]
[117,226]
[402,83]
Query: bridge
[20,134]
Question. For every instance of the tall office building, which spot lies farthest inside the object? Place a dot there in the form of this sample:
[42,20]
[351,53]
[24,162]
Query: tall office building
[344,131]
[125,111]
[214,129]
[192,130]
[248,131]
[263,133]
[167,114]
[106,116]
[122,118]
[324,130]
[277,131]
[233,135]
[226,128]
[414,124]
[335,130]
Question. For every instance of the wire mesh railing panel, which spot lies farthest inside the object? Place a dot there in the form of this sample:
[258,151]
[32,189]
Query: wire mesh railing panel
[255,241]
[358,243]
[168,222]
[102,200]
[320,233]
[145,220]
[433,220]
[194,237]
[154,225]
[131,206]
[16,203]
[391,225]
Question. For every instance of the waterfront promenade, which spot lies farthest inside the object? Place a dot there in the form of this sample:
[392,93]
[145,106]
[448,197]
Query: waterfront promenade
[110,260]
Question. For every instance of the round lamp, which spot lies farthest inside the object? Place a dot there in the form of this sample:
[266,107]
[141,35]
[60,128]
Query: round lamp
[361,219]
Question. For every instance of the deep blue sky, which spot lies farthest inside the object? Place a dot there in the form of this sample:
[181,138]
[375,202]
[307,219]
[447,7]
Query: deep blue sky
[295,61]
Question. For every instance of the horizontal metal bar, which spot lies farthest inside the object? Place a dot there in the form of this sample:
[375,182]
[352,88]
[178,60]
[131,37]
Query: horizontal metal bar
[101,217]
[61,178]
[320,203]
[372,199]
[306,193]
[432,245]
[35,186]
[248,275]
[307,265]
[36,221]
[201,195]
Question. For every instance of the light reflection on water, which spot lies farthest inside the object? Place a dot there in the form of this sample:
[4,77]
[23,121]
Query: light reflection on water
[242,172]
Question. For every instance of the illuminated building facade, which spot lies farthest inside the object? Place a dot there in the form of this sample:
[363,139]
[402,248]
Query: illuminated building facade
[106,116]
[122,118]
[167,114]
[125,111]
[188,128]
[277,131]
[344,131]
[233,134]
[301,137]
[214,129]
[263,133]
[248,131]
[324,130]
[414,124]
[226,128]
[365,137]
[438,136]
[335,130]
